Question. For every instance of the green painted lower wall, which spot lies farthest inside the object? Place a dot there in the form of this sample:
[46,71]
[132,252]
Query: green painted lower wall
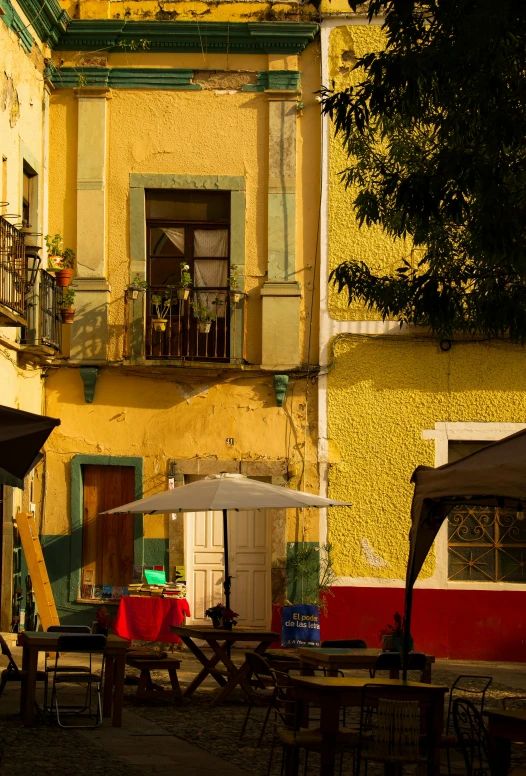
[57,554]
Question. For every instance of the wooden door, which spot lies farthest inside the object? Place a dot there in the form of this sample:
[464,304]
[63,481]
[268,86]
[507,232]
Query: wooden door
[107,540]
[249,544]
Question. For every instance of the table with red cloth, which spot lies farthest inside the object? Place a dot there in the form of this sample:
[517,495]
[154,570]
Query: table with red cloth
[149,618]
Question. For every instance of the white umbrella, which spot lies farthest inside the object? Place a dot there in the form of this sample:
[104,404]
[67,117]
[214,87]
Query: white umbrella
[225,491]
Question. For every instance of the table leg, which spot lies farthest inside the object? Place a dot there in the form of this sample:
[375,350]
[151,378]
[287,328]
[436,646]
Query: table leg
[426,675]
[108,687]
[306,669]
[30,688]
[237,676]
[207,669]
[23,688]
[501,748]
[118,691]
[435,730]
[329,722]
[176,690]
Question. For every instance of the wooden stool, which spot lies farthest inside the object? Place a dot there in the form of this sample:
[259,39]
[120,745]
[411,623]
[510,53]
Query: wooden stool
[147,688]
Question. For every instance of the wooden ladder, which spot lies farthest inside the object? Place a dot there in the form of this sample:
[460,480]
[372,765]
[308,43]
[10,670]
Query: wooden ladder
[36,566]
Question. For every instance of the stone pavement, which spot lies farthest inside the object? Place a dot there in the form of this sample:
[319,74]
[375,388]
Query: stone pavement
[158,738]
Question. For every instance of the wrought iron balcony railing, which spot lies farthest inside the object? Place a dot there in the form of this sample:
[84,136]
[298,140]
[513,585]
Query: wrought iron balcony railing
[44,325]
[13,275]
[210,325]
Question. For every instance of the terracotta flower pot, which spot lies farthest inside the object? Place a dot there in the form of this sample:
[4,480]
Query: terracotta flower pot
[183,293]
[205,326]
[159,324]
[67,314]
[63,277]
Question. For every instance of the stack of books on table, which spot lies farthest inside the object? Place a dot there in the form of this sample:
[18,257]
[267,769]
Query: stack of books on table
[170,590]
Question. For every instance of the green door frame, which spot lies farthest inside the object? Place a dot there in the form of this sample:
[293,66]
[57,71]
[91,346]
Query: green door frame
[77,511]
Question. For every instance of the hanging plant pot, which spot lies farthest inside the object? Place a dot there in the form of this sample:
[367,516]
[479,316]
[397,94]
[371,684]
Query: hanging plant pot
[67,314]
[235,296]
[63,277]
[205,326]
[183,293]
[159,324]
[54,263]
[132,294]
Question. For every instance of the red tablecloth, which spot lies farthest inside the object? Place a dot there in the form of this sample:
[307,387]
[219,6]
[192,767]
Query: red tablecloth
[148,618]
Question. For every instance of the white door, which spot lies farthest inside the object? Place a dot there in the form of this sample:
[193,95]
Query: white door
[249,558]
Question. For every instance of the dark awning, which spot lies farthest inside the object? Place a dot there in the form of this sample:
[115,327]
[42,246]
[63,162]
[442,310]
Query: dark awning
[22,434]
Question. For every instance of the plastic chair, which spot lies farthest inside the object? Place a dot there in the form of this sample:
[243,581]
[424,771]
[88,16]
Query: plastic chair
[473,738]
[344,644]
[86,644]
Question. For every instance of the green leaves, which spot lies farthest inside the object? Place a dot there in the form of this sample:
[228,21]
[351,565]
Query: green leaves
[436,143]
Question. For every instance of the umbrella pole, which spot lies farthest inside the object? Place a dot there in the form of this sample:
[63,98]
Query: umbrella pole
[226,584]
[407,626]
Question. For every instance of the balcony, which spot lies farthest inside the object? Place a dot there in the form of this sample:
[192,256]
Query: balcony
[184,335]
[13,275]
[44,326]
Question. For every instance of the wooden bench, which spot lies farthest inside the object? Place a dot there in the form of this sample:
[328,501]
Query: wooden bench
[147,688]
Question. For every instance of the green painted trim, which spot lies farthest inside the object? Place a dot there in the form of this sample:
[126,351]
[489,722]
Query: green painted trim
[77,511]
[122,77]
[170,36]
[89,379]
[14,22]
[141,181]
[275,80]
[48,19]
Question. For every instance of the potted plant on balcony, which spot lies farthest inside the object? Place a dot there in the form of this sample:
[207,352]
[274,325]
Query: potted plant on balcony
[67,311]
[204,316]
[54,251]
[135,287]
[183,292]
[235,293]
[63,275]
[162,304]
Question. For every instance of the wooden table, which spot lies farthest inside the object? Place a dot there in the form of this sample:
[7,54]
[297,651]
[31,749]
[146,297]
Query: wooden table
[503,728]
[113,686]
[331,693]
[334,659]
[227,679]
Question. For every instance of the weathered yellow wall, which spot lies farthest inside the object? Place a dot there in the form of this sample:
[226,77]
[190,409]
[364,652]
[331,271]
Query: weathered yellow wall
[159,420]
[382,394]
[346,239]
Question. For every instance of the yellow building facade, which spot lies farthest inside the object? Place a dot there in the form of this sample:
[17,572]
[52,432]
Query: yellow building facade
[186,141]
[392,399]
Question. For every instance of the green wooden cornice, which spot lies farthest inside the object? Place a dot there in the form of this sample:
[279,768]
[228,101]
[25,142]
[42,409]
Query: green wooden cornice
[207,37]
[12,20]
[159,78]
[49,20]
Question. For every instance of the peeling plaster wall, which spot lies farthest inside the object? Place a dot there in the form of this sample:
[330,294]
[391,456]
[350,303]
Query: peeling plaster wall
[383,393]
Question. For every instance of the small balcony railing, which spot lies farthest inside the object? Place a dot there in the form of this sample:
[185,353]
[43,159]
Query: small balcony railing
[44,325]
[207,326]
[13,274]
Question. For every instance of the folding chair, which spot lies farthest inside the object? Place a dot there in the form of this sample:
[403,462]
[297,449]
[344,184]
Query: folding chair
[13,673]
[86,644]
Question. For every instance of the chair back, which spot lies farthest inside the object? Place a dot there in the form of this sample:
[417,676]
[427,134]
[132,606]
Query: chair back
[68,629]
[344,644]
[473,738]
[11,666]
[85,642]
[468,686]
[388,661]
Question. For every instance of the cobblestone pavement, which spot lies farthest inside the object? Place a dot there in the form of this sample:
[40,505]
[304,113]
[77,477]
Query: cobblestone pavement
[195,738]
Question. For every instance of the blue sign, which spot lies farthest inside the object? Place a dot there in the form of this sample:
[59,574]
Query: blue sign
[300,626]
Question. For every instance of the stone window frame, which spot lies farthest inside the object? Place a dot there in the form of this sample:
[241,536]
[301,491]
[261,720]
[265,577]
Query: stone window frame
[139,182]
[77,512]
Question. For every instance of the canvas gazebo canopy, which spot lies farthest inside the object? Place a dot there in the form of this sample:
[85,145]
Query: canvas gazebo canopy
[493,476]
[22,434]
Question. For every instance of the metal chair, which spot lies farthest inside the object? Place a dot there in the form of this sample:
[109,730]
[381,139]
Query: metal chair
[469,687]
[270,690]
[473,738]
[344,644]
[416,661]
[13,673]
[86,644]
[387,661]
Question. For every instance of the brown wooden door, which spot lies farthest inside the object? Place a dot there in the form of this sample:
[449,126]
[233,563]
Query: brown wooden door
[107,540]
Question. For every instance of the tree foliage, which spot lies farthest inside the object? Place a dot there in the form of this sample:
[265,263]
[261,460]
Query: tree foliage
[435,132]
